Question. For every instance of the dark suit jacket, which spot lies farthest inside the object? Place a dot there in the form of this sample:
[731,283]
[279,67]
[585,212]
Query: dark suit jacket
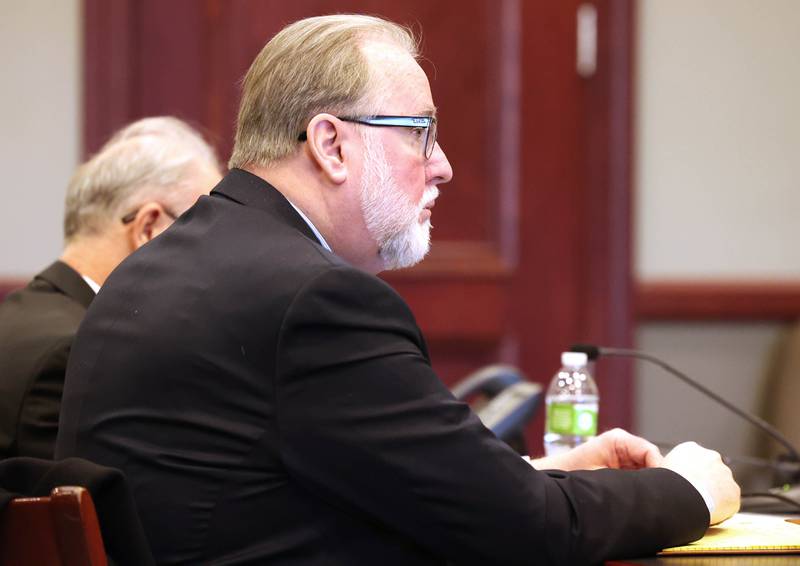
[271,404]
[37,326]
[123,536]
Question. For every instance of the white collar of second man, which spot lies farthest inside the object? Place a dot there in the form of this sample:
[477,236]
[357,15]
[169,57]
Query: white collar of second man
[91,283]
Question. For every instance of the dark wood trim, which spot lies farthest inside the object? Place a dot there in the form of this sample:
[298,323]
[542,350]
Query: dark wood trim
[576,162]
[606,190]
[109,68]
[717,300]
[8,285]
[457,260]
[504,53]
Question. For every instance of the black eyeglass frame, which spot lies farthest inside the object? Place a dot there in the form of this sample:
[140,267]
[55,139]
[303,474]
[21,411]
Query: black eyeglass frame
[427,122]
[128,218]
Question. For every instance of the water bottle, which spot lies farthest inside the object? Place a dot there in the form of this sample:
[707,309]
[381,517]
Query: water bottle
[572,401]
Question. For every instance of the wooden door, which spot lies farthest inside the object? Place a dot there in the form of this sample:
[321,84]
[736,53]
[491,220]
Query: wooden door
[531,238]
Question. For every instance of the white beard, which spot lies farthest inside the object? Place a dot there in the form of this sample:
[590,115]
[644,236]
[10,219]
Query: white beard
[391,218]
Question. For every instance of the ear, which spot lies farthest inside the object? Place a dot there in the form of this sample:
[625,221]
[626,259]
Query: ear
[149,222]
[327,141]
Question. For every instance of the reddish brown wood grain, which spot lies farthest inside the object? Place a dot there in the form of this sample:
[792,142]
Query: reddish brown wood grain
[607,195]
[110,81]
[576,189]
[718,300]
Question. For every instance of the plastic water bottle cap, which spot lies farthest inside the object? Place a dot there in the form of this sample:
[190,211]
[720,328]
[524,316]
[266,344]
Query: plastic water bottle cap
[574,359]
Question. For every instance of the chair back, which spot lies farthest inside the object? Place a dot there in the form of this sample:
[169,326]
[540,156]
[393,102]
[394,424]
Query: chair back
[59,530]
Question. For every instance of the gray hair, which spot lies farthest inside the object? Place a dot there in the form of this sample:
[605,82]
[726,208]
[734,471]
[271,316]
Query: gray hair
[311,66]
[147,160]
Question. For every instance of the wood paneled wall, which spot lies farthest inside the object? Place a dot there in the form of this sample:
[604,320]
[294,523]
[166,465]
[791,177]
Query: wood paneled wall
[532,240]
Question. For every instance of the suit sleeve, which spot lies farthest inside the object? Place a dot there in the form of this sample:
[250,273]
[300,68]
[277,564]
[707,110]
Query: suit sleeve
[38,419]
[366,424]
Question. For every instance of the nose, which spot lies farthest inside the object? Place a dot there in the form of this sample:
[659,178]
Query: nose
[438,170]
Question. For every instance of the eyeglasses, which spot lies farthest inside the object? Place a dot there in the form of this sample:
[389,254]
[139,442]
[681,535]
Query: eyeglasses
[128,218]
[424,125]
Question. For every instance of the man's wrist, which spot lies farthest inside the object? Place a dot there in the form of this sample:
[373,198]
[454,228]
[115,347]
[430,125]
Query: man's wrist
[704,493]
[557,462]
[532,462]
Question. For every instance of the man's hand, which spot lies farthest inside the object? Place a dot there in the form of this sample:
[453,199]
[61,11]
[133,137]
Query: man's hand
[613,449]
[705,470]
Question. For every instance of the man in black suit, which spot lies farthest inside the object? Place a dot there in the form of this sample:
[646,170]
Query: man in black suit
[121,198]
[272,401]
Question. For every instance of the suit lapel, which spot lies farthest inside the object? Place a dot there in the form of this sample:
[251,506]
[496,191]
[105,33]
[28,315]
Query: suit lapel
[253,191]
[68,281]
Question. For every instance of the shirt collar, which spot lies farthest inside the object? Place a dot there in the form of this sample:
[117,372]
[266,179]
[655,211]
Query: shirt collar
[313,228]
[91,283]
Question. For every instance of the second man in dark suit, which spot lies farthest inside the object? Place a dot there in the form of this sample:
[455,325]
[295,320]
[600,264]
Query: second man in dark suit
[125,195]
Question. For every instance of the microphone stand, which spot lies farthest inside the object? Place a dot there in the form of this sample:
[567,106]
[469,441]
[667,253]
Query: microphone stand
[791,455]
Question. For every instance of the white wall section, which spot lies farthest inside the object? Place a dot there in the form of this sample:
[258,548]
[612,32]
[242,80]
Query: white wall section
[40,121]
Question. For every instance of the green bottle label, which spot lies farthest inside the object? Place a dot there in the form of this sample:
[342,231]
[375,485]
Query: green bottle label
[570,419]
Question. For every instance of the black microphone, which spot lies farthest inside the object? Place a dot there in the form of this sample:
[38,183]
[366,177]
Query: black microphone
[593,352]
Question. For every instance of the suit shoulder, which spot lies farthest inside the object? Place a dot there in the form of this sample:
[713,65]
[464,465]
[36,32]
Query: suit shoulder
[349,298]
[40,314]
[347,284]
